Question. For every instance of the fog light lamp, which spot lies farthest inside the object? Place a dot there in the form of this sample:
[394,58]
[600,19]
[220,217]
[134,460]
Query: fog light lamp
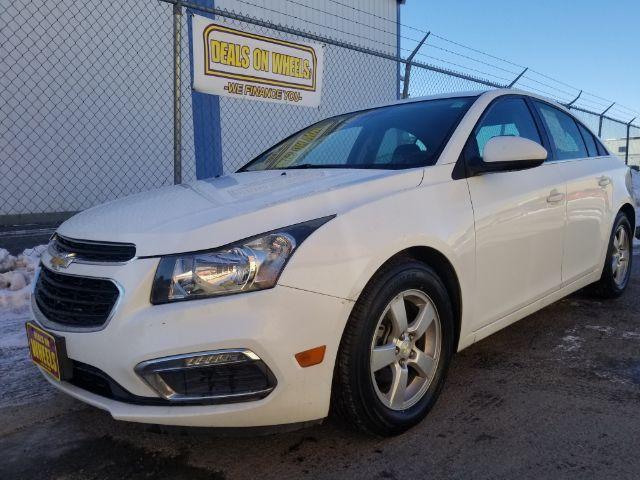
[221,376]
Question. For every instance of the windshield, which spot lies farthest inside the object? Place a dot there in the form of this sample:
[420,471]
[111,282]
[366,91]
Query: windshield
[398,136]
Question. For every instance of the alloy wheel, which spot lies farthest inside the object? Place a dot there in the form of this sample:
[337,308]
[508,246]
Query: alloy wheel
[620,256]
[405,349]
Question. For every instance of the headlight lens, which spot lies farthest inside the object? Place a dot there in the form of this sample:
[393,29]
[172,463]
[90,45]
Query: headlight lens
[248,265]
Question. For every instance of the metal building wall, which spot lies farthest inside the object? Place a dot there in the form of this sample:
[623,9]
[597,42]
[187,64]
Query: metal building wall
[86,95]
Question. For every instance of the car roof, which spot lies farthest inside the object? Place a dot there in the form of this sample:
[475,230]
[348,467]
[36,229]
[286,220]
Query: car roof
[491,94]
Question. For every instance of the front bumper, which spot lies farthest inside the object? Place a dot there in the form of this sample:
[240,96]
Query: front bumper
[275,324]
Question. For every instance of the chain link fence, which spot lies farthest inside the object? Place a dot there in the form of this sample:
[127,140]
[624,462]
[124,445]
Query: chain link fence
[88,94]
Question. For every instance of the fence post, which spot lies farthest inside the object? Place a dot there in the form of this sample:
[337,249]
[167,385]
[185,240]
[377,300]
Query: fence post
[626,150]
[177,108]
[407,68]
[602,118]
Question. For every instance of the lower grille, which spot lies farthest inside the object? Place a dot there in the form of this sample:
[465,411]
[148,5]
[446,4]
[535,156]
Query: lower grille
[75,301]
[94,380]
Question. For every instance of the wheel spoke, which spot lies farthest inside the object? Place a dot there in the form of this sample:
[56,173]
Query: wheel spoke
[382,356]
[423,364]
[398,386]
[398,314]
[622,243]
[425,317]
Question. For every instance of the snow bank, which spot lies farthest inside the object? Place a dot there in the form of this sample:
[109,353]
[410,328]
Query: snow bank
[16,275]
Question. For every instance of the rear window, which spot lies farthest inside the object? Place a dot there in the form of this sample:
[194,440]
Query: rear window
[399,136]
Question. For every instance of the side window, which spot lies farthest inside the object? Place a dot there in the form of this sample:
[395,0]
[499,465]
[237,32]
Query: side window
[400,146]
[564,133]
[589,141]
[506,117]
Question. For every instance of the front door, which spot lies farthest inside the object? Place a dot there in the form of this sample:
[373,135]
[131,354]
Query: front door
[519,220]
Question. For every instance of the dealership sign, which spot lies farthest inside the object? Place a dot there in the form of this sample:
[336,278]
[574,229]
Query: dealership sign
[245,65]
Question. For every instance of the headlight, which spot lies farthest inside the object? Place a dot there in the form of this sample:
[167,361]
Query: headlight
[251,264]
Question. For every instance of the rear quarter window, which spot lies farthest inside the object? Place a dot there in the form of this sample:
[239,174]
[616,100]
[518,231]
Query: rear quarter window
[589,141]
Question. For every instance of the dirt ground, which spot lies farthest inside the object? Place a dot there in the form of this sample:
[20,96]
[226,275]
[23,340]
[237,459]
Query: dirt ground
[557,395]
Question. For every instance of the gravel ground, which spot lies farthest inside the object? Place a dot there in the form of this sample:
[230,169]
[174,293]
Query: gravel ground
[557,395]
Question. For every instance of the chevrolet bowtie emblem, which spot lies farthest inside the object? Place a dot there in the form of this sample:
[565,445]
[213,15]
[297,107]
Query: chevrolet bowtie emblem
[62,260]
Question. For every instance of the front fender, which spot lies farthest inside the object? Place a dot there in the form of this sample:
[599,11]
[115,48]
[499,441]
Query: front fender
[342,256]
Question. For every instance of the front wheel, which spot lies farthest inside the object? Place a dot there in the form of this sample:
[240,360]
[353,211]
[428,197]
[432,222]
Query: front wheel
[617,265]
[395,350]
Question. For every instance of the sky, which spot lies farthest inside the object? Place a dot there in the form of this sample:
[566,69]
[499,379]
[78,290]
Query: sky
[592,45]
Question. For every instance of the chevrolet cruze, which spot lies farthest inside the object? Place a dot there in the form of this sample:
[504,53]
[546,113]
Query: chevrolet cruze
[338,271]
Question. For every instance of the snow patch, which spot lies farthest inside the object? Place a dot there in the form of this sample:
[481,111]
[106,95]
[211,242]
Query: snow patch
[570,343]
[599,328]
[12,332]
[16,275]
[631,335]
[611,376]
[20,381]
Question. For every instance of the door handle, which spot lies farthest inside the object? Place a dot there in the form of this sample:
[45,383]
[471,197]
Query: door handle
[555,196]
[604,181]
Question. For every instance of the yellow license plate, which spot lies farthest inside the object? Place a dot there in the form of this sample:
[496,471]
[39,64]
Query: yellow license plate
[45,350]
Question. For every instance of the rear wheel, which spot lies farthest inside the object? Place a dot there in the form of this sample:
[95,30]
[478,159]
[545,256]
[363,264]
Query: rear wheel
[617,265]
[395,350]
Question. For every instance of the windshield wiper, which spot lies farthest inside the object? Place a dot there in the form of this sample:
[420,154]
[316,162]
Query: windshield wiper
[303,166]
[357,166]
[311,165]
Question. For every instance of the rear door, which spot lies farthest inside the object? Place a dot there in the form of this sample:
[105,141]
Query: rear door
[519,219]
[585,166]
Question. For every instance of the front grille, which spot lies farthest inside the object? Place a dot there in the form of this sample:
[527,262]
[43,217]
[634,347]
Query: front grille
[89,251]
[75,301]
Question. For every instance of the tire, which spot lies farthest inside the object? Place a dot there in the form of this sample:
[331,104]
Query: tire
[613,282]
[372,401]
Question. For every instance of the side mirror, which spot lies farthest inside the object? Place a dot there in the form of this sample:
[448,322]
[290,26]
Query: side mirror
[509,153]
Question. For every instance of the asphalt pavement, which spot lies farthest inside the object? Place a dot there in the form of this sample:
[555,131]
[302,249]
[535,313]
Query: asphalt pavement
[556,395]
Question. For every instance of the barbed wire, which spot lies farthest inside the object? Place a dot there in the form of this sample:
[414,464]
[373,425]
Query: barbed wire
[489,55]
[289,15]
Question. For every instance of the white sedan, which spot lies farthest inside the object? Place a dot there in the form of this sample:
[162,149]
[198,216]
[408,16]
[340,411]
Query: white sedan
[338,271]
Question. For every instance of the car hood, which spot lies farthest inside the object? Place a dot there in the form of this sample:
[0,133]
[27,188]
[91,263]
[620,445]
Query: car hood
[214,212]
